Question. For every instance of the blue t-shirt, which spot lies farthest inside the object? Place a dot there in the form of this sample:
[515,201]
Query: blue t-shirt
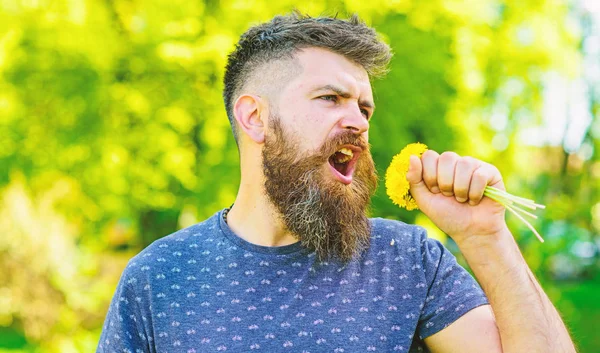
[204,289]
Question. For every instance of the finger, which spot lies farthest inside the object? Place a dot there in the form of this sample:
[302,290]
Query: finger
[462,177]
[415,178]
[484,175]
[445,176]
[430,167]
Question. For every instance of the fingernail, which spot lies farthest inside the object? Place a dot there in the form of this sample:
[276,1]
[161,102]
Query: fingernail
[445,193]
[435,190]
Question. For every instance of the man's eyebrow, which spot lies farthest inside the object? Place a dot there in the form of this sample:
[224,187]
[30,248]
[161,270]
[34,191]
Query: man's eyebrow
[344,94]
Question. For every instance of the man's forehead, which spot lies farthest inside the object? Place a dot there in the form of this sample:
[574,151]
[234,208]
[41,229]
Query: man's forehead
[322,68]
[338,84]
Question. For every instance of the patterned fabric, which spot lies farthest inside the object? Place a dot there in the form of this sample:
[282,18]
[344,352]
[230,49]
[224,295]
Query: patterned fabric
[204,289]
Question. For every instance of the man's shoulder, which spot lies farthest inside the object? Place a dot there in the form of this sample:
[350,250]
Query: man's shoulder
[176,244]
[391,228]
[402,236]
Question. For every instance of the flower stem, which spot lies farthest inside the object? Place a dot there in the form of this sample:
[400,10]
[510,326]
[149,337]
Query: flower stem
[523,201]
[525,221]
[509,201]
[524,212]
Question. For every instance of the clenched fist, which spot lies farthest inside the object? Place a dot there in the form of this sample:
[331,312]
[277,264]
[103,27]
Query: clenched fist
[449,189]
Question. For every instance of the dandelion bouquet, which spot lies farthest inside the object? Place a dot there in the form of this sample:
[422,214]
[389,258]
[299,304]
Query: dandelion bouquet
[397,187]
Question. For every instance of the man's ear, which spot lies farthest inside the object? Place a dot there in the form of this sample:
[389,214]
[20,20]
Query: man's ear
[250,114]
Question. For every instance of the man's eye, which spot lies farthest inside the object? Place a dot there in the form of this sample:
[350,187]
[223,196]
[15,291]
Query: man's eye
[329,97]
[365,113]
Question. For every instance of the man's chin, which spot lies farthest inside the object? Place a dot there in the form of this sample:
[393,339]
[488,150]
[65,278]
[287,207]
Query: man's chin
[342,230]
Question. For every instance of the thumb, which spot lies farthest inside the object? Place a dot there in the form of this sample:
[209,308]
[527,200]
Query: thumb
[415,170]
[415,178]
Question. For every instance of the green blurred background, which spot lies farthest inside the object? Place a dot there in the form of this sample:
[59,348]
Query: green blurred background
[113,134]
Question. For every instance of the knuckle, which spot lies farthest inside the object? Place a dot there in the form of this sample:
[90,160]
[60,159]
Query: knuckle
[480,174]
[495,169]
[468,162]
[463,165]
[430,154]
[449,156]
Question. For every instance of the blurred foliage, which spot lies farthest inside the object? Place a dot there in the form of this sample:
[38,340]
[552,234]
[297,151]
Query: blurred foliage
[113,134]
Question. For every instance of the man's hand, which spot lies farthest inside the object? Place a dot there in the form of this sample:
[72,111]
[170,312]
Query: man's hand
[449,189]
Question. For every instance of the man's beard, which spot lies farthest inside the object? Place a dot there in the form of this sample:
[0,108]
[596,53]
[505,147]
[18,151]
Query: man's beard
[326,215]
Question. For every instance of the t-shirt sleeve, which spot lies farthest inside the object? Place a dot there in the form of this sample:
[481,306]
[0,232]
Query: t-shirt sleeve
[452,290]
[123,329]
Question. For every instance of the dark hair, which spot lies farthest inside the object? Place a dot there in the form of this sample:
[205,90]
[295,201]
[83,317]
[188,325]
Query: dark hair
[281,37]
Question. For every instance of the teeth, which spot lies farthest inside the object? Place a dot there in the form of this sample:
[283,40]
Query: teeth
[346,151]
[344,155]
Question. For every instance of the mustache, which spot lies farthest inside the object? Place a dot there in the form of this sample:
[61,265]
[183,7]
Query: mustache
[344,138]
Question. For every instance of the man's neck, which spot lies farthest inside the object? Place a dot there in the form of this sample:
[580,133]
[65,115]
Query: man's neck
[255,219]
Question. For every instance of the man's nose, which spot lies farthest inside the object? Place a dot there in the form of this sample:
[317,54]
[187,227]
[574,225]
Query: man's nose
[354,120]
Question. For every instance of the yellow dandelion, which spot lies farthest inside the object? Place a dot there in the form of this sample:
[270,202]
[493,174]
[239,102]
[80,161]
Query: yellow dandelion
[395,177]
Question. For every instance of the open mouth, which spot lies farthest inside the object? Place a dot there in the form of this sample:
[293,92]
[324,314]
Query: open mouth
[343,162]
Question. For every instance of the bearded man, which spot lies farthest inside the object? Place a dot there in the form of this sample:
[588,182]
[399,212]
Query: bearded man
[296,265]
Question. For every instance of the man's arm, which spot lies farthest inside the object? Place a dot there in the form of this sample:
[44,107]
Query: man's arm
[476,331]
[124,327]
[526,319]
